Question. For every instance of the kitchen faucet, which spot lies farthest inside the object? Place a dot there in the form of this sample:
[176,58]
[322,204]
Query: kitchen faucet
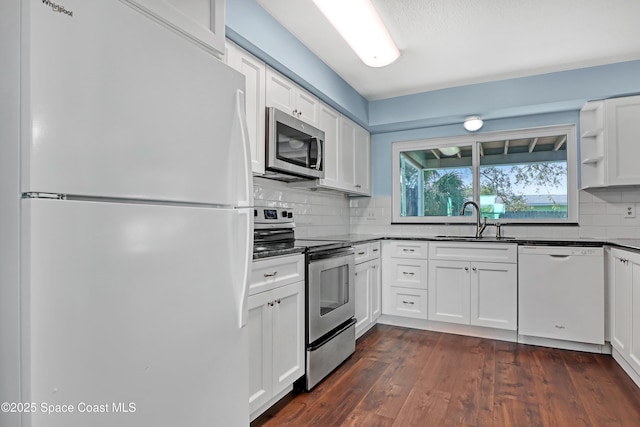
[479,228]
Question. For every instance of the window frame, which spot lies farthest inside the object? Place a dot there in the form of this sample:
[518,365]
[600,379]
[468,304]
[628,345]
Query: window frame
[474,140]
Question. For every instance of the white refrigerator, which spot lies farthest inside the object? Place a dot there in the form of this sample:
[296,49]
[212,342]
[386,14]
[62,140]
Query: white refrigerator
[126,222]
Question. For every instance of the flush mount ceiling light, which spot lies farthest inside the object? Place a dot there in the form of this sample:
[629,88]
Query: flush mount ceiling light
[449,151]
[359,24]
[473,123]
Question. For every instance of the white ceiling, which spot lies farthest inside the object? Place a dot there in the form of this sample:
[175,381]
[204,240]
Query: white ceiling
[446,43]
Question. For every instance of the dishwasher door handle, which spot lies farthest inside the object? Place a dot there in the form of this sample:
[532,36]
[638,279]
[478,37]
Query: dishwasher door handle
[559,256]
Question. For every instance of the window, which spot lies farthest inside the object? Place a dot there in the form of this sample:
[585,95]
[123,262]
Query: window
[517,176]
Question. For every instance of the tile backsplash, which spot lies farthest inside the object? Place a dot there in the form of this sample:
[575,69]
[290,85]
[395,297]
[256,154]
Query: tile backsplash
[327,213]
[316,213]
[601,215]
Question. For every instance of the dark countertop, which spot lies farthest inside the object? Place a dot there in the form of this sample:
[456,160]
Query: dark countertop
[278,252]
[633,244]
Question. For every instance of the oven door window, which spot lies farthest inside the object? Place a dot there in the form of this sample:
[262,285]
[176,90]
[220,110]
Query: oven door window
[334,288]
[296,147]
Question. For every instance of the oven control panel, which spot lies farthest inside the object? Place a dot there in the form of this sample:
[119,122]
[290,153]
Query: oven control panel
[265,217]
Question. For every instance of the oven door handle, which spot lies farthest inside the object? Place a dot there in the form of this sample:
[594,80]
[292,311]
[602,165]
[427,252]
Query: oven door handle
[331,253]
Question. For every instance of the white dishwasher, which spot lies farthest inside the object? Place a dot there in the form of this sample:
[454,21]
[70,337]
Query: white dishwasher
[561,293]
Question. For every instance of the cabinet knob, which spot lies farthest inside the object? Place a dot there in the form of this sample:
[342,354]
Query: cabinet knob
[408,273]
[466,269]
[408,302]
[474,269]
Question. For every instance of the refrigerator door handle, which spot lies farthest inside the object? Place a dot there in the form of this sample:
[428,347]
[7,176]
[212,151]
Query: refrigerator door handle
[242,286]
[246,199]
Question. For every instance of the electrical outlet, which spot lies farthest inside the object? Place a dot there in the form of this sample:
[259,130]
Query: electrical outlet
[630,211]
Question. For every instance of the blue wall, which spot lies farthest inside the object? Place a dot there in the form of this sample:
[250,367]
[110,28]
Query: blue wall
[251,27]
[546,99]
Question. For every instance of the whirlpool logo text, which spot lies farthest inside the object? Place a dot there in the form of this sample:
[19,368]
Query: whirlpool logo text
[58,8]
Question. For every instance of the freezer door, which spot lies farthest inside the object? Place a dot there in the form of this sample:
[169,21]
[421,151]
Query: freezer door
[117,105]
[134,307]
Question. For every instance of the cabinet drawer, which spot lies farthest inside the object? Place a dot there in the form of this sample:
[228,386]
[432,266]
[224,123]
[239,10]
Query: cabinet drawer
[409,249]
[406,302]
[366,252]
[408,273]
[274,272]
[362,252]
[490,252]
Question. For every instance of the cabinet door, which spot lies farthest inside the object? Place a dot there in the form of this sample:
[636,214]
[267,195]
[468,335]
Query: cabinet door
[288,335]
[260,349]
[449,293]
[363,296]
[494,295]
[200,20]
[281,93]
[329,123]
[307,108]
[356,163]
[634,321]
[347,152]
[362,161]
[623,134]
[620,292]
[254,73]
[376,292]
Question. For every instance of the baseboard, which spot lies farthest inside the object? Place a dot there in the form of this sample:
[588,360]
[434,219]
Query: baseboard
[450,328]
[635,377]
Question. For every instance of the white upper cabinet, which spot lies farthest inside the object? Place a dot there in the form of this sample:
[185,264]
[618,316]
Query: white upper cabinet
[330,124]
[347,151]
[623,140]
[285,95]
[347,157]
[254,72]
[610,142]
[200,20]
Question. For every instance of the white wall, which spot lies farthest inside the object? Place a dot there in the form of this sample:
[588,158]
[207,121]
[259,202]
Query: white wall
[601,216]
[316,213]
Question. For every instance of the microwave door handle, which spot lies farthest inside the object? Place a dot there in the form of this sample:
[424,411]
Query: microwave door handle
[319,162]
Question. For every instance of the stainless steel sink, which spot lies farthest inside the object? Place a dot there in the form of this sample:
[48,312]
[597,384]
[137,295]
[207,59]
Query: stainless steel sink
[485,238]
[459,237]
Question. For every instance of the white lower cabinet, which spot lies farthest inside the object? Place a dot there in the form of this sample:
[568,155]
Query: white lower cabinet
[404,279]
[367,286]
[276,339]
[472,292]
[624,309]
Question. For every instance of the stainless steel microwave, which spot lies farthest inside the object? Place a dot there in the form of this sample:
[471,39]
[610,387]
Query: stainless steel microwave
[293,147]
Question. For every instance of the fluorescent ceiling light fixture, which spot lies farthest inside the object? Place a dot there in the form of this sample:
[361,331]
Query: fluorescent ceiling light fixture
[473,123]
[359,24]
[449,151]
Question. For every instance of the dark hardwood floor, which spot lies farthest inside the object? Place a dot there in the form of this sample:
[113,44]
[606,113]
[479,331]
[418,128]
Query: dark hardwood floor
[405,377]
